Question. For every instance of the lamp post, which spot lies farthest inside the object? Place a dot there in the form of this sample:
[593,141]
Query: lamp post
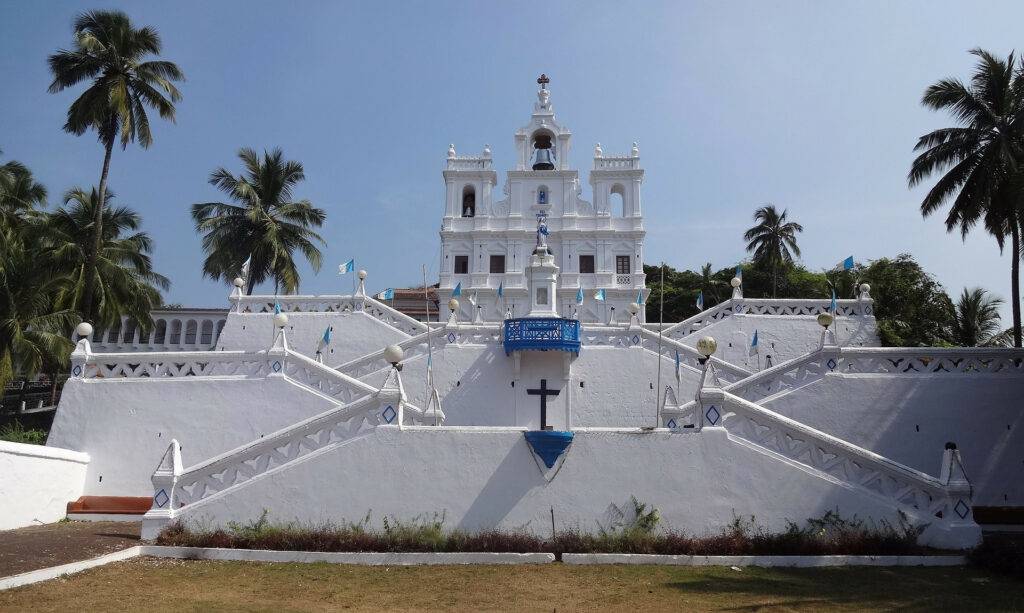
[453,306]
[83,330]
[393,355]
[737,288]
[706,347]
[825,320]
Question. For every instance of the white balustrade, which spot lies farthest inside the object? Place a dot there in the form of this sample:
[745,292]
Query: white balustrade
[623,162]
[329,304]
[781,307]
[923,497]
[172,330]
[470,163]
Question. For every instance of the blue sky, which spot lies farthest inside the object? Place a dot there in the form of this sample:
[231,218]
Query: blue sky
[813,106]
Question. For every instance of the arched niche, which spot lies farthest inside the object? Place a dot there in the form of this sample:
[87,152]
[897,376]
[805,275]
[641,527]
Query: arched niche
[468,201]
[617,200]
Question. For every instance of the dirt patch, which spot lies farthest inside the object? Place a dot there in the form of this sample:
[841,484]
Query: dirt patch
[154,585]
[38,547]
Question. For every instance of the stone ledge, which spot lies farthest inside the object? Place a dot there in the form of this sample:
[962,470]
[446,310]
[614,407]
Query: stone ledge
[362,558]
[784,561]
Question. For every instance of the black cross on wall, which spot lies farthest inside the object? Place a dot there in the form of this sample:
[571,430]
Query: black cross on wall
[543,392]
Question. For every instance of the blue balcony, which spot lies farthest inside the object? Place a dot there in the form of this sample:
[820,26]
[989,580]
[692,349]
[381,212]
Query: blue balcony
[542,334]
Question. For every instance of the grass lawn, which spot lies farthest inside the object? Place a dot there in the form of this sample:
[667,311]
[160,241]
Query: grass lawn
[175,585]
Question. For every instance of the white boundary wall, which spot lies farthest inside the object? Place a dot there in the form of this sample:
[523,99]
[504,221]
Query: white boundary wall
[488,477]
[37,482]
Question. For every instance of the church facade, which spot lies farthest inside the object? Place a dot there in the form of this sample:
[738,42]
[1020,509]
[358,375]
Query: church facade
[597,246]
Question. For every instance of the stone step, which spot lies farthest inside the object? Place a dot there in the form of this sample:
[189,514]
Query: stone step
[109,508]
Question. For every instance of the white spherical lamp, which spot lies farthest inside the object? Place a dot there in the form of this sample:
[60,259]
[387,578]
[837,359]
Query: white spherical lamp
[736,282]
[238,282]
[865,288]
[280,320]
[634,308]
[393,354]
[825,319]
[453,305]
[362,275]
[707,346]
[83,329]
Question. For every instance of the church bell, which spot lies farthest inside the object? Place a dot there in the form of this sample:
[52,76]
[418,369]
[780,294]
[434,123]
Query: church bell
[543,160]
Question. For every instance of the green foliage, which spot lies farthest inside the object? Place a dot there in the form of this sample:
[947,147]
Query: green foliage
[976,319]
[634,530]
[773,241]
[980,160]
[911,307]
[266,225]
[14,432]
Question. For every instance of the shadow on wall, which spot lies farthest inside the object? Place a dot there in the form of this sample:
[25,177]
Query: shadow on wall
[516,475]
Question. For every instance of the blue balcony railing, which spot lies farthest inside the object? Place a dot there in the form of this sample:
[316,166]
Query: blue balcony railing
[542,334]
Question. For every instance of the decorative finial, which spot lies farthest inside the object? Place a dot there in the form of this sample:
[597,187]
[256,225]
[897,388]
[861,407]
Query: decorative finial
[598,152]
[451,151]
[636,150]
[543,80]
[487,151]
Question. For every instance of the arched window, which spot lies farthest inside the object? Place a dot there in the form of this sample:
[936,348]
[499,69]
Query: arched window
[190,332]
[617,200]
[160,332]
[175,332]
[115,332]
[206,338]
[468,201]
[129,331]
[143,335]
[542,195]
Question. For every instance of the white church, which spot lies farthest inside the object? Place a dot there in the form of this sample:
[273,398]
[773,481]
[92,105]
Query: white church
[541,394]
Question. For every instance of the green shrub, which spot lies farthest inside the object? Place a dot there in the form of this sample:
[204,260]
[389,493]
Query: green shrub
[14,432]
[633,530]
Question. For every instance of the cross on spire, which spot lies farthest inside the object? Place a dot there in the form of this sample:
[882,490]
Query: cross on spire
[543,80]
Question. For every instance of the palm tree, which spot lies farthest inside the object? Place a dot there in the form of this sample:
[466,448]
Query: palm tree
[976,318]
[123,275]
[32,332]
[19,192]
[773,240]
[708,283]
[110,53]
[980,158]
[266,224]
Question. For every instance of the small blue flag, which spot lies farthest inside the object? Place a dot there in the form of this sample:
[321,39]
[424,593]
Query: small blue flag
[832,307]
[753,343]
[846,264]
[739,272]
[679,360]
[700,301]
[579,296]
[277,308]
[326,339]
[457,291]
[599,295]
[501,290]
[349,266]
[388,294]
[640,296]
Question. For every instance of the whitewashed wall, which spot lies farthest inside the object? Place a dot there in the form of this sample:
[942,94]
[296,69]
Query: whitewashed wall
[355,334]
[907,417]
[126,425]
[482,479]
[475,385]
[781,337]
[37,483]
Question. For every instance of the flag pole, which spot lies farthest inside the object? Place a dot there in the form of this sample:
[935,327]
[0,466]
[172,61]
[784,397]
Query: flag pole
[661,326]
[430,355]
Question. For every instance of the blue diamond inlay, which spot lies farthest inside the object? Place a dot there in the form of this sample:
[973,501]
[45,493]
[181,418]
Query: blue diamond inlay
[867,310]
[77,371]
[671,423]
[389,414]
[962,509]
[831,364]
[636,339]
[277,367]
[451,337]
[161,499]
[713,415]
